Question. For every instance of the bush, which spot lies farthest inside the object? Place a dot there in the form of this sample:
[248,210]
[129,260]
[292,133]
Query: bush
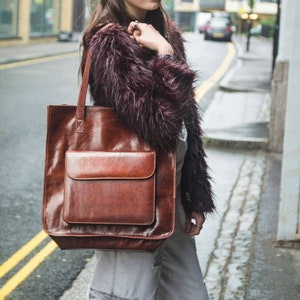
[268,26]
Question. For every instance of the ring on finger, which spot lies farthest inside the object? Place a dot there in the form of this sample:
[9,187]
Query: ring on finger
[136,24]
[198,227]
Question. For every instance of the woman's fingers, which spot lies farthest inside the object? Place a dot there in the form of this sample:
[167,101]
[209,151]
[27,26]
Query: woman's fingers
[145,35]
[194,223]
[134,25]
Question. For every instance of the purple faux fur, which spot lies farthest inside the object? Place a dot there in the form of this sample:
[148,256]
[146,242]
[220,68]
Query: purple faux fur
[153,97]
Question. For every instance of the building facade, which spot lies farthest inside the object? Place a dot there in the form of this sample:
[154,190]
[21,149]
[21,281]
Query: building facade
[261,7]
[186,11]
[25,21]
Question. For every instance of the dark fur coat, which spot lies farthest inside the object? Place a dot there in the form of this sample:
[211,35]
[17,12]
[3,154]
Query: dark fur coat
[153,96]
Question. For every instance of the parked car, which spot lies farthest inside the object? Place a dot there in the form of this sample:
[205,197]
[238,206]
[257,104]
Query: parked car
[257,30]
[221,14]
[219,29]
[202,19]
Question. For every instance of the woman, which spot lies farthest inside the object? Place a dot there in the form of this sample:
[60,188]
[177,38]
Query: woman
[139,68]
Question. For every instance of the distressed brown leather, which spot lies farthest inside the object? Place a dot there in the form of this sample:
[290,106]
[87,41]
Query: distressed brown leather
[91,157]
[109,187]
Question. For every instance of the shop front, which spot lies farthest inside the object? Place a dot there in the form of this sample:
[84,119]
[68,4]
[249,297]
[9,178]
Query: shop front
[9,18]
[24,21]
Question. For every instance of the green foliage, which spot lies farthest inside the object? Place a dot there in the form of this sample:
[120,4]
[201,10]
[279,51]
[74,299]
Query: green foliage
[269,22]
[251,3]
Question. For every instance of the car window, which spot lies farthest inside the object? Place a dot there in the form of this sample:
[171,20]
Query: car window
[219,22]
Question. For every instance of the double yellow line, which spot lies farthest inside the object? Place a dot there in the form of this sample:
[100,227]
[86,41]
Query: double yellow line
[37,60]
[212,81]
[23,252]
[29,267]
[37,259]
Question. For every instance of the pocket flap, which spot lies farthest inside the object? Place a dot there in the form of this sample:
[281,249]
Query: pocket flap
[82,165]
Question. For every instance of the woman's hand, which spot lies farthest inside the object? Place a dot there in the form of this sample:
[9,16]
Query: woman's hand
[147,36]
[194,223]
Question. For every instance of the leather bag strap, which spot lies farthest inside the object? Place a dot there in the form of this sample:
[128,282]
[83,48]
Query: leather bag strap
[83,89]
[80,111]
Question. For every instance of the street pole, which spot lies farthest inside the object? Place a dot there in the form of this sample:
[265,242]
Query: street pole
[249,26]
[276,35]
[251,4]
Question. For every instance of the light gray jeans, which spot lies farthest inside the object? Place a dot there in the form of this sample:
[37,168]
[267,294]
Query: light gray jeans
[171,272]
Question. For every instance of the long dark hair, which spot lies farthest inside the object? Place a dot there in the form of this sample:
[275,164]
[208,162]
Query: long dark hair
[113,11]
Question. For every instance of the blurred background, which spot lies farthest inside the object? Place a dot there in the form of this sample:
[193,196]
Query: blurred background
[246,53]
[29,20]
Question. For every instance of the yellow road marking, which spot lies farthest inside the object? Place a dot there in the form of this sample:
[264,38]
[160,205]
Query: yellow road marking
[37,60]
[22,253]
[211,81]
[25,271]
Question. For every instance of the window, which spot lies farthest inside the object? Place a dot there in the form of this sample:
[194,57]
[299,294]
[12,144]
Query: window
[9,13]
[44,17]
[270,1]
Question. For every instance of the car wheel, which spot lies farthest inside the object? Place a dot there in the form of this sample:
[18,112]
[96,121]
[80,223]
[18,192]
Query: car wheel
[205,37]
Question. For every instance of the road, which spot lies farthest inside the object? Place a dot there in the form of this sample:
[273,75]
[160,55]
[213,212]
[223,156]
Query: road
[25,93]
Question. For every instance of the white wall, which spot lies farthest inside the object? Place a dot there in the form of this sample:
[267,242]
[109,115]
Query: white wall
[288,223]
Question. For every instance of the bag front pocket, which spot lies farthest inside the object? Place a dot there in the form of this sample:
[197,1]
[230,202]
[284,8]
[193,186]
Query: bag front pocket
[115,188]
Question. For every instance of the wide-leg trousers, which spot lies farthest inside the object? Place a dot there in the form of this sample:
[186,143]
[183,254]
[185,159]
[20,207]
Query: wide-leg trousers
[171,272]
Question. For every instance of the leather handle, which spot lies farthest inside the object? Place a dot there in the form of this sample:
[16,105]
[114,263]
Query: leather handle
[83,89]
[80,111]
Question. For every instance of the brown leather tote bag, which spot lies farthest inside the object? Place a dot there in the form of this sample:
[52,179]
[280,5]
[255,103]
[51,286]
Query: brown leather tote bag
[104,188]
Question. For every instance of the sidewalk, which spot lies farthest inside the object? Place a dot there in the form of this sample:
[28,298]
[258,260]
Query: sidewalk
[245,262]
[239,112]
[236,248]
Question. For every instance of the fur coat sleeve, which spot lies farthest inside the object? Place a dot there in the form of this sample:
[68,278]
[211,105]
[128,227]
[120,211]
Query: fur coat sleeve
[153,97]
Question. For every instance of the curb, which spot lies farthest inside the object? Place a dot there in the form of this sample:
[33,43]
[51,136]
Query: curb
[225,81]
[211,141]
[228,267]
[230,88]
[29,58]
[226,140]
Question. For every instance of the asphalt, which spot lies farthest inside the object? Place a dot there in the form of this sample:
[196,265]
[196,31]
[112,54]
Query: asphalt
[237,248]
